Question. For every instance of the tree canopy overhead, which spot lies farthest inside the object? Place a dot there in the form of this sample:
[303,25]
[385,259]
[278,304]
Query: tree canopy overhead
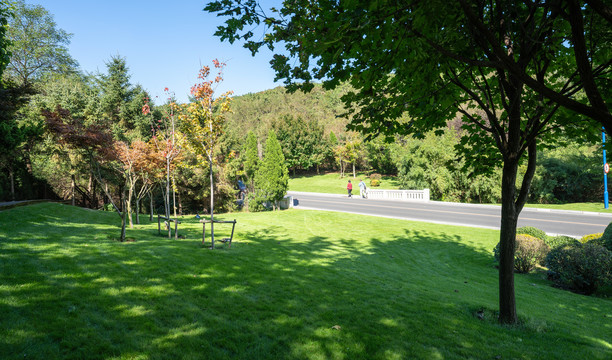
[359,40]
[507,67]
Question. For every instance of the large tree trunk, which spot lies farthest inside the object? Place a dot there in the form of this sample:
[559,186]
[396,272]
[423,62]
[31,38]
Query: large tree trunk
[507,240]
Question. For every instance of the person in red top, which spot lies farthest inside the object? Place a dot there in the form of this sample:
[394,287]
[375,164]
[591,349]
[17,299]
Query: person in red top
[349,187]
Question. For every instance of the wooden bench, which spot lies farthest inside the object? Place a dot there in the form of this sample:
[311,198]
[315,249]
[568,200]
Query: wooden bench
[168,221]
[223,240]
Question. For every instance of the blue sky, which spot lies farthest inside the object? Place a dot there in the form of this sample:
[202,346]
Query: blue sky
[164,43]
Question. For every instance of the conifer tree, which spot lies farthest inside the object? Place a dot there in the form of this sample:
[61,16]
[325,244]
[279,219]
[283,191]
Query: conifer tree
[251,158]
[272,177]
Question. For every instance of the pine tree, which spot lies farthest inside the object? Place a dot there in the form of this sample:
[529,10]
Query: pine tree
[251,158]
[272,178]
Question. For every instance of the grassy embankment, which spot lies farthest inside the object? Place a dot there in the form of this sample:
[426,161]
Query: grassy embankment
[331,183]
[295,285]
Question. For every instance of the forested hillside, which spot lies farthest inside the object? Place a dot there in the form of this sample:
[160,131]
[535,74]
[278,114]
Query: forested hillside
[259,111]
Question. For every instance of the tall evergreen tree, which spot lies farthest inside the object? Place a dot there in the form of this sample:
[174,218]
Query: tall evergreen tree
[272,178]
[251,158]
[121,101]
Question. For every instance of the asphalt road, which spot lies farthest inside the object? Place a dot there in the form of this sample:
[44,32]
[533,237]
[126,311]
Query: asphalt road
[554,222]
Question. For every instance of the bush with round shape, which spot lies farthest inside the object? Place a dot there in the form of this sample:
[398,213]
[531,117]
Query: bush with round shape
[530,230]
[257,201]
[556,241]
[606,238]
[581,268]
[529,252]
[375,179]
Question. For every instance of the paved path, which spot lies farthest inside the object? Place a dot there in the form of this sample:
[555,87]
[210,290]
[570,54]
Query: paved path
[554,222]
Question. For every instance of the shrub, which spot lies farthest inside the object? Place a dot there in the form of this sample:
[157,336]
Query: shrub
[257,201]
[582,268]
[529,252]
[375,179]
[530,230]
[606,238]
[556,241]
[591,237]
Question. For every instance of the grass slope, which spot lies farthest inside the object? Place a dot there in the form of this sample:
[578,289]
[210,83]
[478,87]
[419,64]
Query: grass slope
[295,285]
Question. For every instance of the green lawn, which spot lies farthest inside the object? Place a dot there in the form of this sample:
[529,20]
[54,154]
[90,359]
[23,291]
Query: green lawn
[295,285]
[331,183]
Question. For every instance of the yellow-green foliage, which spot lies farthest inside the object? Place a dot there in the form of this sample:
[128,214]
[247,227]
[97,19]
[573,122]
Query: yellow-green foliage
[591,237]
[375,180]
[530,251]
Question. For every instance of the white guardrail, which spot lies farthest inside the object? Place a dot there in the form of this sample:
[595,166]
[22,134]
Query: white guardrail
[403,195]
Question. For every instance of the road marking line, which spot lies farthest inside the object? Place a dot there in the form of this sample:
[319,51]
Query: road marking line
[461,213]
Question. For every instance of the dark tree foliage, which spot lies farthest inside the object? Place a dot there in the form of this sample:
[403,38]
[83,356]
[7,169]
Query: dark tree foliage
[16,141]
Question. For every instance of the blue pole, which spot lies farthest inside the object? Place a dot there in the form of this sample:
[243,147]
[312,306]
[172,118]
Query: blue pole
[603,137]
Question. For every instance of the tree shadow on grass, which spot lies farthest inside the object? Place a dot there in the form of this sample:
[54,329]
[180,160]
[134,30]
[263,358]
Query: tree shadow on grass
[406,295]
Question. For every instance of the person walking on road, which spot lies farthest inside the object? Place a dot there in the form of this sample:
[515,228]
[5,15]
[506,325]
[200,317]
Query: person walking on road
[349,187]
[362,189]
